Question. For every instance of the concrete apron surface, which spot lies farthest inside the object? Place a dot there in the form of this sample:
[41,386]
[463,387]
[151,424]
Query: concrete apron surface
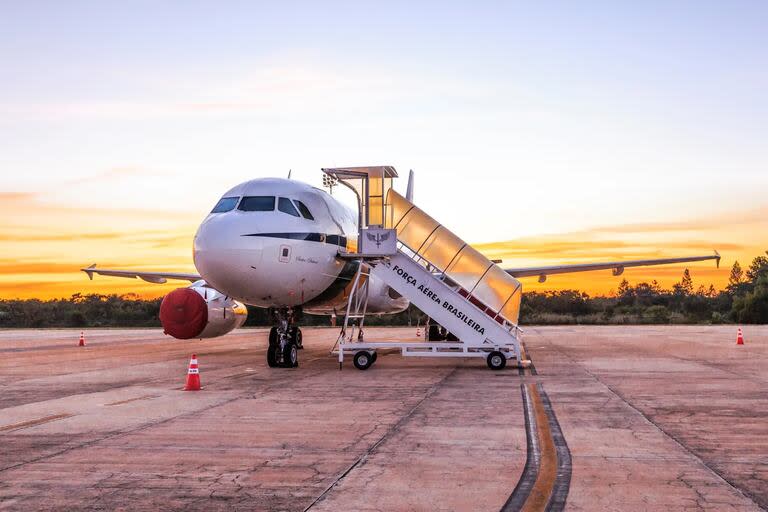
[654,418]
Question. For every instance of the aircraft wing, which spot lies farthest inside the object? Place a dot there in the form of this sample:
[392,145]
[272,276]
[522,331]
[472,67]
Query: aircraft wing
[150,277]
[616,266]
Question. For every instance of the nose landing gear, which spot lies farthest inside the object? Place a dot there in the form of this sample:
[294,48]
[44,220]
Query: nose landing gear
[285,340]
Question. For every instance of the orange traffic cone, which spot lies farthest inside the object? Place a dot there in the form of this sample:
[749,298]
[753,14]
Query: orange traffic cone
[193,375]
[82,340]
[418,331]
[739,337]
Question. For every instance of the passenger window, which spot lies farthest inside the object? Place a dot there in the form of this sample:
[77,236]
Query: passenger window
[304,210]
[257,204]
[286,206]
[225,204]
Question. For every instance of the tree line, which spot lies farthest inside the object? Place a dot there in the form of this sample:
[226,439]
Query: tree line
[744,300]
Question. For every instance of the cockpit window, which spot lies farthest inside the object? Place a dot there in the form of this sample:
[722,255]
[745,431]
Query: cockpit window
[286,206]
[257,204]
[225,204]
[304,210]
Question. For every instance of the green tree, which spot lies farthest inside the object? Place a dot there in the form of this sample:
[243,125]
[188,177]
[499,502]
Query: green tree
[624,289]
[657,315]
[752,307]
[685,286]
[758,267]
[736,277]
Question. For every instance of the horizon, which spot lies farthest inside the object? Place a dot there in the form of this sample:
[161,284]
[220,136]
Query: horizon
[541,135]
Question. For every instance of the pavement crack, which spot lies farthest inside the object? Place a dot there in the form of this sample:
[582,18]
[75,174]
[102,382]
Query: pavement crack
[700,498]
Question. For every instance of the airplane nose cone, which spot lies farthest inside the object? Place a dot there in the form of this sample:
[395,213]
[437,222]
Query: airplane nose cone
[223,257]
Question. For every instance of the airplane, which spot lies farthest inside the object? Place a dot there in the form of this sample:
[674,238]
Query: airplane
[276,243]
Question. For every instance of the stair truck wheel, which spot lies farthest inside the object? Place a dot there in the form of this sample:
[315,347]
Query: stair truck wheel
[363,360]
[291,355]
[374,356]
[496,360]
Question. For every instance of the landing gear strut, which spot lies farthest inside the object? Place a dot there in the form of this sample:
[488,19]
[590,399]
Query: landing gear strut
[285,340]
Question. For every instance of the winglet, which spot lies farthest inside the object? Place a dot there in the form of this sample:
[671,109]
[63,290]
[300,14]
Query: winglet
[409,190]
[89,271]
[717,258]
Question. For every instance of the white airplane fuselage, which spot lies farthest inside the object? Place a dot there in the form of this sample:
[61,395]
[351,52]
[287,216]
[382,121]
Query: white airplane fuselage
[284,254]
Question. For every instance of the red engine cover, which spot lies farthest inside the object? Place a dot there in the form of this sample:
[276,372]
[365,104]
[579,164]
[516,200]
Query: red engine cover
[183,314]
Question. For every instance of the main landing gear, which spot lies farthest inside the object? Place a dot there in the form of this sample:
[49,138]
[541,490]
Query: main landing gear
[285,340]
[438,333]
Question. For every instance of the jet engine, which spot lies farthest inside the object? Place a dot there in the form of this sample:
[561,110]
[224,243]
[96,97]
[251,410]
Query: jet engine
[200,312]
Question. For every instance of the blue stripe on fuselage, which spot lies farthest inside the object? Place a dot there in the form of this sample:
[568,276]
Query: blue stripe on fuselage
[339,240]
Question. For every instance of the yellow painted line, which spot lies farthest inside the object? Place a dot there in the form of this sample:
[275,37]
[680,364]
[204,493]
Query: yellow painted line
[545,481]
[32,423]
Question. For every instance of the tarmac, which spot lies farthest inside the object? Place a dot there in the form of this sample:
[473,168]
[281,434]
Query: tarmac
[608,418]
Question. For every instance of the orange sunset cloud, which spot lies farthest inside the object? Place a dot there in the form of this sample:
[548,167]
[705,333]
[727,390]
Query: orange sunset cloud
[739,236]
[44,249]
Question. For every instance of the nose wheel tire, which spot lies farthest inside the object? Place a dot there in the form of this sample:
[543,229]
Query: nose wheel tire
[297,338]
[272,356]
[363,359]
[290,355]
[496,360]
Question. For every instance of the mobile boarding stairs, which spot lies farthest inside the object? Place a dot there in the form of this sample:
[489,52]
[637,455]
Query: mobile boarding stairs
[420,259]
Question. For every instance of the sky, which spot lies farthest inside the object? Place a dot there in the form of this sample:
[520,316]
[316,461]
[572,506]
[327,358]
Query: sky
[542,133]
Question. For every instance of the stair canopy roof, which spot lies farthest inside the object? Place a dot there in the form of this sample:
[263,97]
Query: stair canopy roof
[482,280]
[371,185]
